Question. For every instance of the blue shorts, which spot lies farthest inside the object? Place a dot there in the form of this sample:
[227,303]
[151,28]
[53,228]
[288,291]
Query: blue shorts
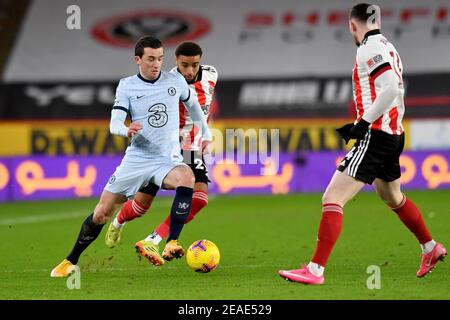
[130,176]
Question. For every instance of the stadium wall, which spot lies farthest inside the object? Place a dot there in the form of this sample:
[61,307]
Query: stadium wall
[92,137]
[37,178]
[426,96]
[282,66]
[242,39]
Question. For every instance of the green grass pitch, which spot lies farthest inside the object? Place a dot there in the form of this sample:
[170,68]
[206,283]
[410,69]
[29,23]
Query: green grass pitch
[256,236]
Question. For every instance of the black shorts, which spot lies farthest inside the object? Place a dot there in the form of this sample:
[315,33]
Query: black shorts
[375,156]
[195,161]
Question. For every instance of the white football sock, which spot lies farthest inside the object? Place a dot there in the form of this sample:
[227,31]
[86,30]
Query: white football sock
[116,224]
[154,238]
[316,269]
[428,246]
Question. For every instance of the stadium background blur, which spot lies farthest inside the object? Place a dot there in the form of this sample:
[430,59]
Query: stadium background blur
[282,65]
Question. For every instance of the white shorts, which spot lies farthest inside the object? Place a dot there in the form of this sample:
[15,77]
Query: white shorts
[129,177]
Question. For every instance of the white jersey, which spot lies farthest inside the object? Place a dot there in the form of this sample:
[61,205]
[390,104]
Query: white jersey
[203,91]
[376,55]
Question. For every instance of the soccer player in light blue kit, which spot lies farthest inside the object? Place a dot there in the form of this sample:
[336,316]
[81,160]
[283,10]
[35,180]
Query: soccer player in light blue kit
[151,99]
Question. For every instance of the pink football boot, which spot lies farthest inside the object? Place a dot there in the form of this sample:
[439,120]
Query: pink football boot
[430,259]
[302,275]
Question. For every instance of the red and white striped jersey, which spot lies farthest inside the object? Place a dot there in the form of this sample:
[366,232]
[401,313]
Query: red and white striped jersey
[375,56]
[203,90]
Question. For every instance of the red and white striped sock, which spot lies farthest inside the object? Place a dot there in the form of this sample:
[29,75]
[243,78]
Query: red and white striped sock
[411,217]
[131,210]
[199,201]
[329,230]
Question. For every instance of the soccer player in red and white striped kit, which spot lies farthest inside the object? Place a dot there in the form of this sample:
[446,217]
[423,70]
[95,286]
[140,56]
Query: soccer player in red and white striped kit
[374,158]
[202,80]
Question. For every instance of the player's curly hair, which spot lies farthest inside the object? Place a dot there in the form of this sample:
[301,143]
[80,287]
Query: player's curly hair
[146,42]
[188,49]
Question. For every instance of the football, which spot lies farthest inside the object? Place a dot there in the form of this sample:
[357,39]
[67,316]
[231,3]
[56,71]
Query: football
[203,256]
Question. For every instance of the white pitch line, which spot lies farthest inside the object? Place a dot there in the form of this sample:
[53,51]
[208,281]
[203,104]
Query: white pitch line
[42,218]
[70,215]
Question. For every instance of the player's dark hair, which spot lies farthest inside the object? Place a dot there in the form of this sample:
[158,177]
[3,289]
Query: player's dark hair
[146,42]
[189,49]
[361,12]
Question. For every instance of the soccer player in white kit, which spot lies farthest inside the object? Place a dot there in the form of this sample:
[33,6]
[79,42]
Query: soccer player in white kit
[151,98]
[202,80]
[378,93]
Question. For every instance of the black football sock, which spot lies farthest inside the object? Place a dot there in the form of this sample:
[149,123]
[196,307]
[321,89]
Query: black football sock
[88,233]
[180,211]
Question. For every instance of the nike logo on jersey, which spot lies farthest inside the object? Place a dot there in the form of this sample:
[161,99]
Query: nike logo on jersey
[138,97]
[177,212]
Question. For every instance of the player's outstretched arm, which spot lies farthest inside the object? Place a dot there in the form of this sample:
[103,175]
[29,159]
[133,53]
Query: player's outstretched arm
[117,124]
[388,86]
[389,90]
[198,117]
[119,113]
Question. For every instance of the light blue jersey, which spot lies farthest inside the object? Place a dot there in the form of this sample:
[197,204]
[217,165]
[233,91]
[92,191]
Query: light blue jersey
[155,150]
[155,105]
